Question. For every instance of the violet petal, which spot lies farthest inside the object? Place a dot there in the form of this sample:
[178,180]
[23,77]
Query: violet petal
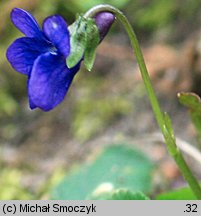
[56,30]
[26,23]
[49,81]
[23,52]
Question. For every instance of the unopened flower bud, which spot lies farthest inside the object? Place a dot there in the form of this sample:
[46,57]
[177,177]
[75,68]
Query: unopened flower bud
[104,20]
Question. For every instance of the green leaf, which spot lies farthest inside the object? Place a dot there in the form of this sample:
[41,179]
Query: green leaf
[93,39]
[120,194]
[193,103]
[116,166]
[78,41]
[190,100]
[179,194]
[128,195]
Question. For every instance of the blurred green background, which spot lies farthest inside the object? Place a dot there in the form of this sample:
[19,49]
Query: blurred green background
[104,106]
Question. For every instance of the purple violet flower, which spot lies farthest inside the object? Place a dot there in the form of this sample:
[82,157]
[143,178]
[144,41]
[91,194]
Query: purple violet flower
[41,55]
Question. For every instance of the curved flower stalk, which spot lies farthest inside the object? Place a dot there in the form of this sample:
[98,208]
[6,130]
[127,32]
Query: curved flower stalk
[41,55]
[163,119]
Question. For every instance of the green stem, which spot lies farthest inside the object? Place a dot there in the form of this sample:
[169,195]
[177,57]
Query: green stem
[164,126]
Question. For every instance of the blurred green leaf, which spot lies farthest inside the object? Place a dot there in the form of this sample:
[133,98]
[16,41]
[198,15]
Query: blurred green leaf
[128,195]
[120,194]
[179,194]
[91,115]
[87,4]
[155,13]
[117,166]
[193,102]
[8,106]
[10,185]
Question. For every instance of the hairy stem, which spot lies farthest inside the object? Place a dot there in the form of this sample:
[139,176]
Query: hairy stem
[165,129]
